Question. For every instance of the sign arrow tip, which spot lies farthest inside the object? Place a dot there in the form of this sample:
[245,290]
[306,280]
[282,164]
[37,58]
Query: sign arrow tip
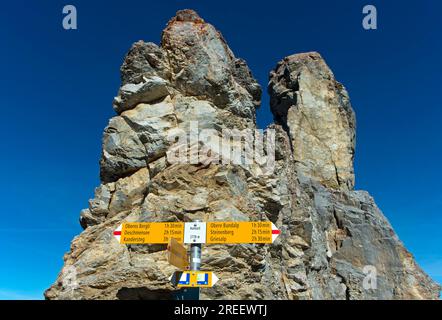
[117,232]
[214,279]
[275,232]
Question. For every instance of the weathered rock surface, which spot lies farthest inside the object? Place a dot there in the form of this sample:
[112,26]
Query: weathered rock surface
[204,66]
[330,233]
[320,120]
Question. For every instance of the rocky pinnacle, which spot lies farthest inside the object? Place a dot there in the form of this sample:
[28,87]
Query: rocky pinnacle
[332,237]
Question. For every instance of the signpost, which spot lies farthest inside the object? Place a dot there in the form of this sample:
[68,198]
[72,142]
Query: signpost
[223,232]
[194,233]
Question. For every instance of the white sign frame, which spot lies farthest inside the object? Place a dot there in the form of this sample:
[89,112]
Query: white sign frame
[195,232]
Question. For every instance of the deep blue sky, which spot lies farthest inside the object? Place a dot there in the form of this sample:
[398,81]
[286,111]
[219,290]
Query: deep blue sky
[57,87]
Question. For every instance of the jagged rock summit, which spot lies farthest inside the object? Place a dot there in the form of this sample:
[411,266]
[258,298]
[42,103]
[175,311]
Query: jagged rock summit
[320,122]
[332,236]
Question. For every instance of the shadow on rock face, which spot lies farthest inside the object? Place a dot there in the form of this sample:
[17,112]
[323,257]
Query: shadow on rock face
[144,294]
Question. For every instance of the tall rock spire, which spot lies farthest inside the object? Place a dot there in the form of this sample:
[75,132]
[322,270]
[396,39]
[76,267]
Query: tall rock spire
[204,66]
[315,109]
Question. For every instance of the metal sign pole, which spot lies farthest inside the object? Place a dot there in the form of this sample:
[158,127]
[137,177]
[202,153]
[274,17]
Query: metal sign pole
[195,257]
[195,265]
